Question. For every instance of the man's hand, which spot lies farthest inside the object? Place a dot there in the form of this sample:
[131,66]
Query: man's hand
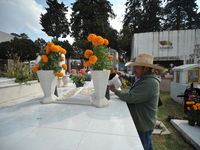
[119,73]
[113,88]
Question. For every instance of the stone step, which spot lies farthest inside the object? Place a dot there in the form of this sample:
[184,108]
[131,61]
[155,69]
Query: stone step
[5,81]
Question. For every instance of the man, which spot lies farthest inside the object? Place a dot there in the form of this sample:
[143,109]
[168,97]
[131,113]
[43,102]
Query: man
[142,98]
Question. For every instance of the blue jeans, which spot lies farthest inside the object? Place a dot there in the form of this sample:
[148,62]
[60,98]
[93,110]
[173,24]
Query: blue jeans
[146,139]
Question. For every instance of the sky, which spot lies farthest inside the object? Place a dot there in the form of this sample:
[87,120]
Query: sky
[23,16]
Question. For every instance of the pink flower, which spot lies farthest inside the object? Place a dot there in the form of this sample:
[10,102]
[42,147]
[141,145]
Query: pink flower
[80,75]
[82,70]
[73,70]
[190,97]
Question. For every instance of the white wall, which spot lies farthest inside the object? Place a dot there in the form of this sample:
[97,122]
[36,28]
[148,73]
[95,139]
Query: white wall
[183,42]
[5,37]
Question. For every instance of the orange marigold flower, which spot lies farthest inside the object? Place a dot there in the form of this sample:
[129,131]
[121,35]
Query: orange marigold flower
[55,48]
[188,102]
[64,66]
[197,104]
[59,74]
[35,68]
[93,59]
[44,58]
[112,71]
[188,108]
[106,42]
[88,53]
[110,56]
[62,58]
[195,107]
[98,41]
[48,50]
[86,64]
[50,44]
[63,51]
[156,72]
[91,37]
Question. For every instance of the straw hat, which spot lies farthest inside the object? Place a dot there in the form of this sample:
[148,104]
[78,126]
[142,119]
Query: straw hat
[144,60]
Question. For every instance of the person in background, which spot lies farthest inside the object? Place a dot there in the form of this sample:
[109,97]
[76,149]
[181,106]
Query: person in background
[142,98]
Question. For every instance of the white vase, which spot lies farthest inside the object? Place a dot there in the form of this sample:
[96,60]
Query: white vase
[65,80]
[48,82]
[59,82]
[115,80]
[100,81]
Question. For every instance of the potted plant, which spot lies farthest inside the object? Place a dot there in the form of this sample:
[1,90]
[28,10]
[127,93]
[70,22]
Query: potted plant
[100,62]
[48,68]
[78,79]
[193,108]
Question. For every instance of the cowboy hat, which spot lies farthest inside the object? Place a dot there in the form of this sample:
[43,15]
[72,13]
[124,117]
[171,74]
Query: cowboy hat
[144,60]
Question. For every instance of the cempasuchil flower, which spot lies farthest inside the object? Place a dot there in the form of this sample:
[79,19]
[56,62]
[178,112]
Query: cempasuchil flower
[98,41]
[86,64]
[64,66]
[55,48]
[47,49]
[63,51]
[50,44]
[44,58]
[110,56]
[59,74]
[106,42]
[93,59]
[35,68]
[88,53]
[91,37]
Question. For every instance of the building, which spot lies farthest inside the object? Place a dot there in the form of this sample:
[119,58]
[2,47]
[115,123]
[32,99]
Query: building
[169,48]
[5,37]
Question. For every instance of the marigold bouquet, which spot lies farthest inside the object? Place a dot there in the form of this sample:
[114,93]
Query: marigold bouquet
[193,106]
[98,58]
[51,59]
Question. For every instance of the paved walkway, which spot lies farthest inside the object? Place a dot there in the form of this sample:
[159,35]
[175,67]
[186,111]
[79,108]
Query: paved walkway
[191,133]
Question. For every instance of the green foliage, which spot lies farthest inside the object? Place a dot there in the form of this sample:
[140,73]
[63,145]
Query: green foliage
[90,17]
[125,39]
[181,14]
[157,15]
[41,43]
[102,62]
[54,58]
[143,16]
[20,71]
[78,78]
[26,49]
[54,21]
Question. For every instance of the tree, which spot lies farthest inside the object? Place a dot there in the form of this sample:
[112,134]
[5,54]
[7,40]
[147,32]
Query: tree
[90,16]
[26,49]
[40,42]
[22,35]
[54,22]
[143,16]
[180,14]
[125,39]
